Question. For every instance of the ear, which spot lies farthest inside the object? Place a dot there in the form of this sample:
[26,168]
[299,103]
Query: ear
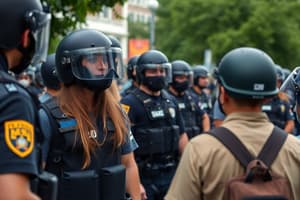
[221,94]
[25,40]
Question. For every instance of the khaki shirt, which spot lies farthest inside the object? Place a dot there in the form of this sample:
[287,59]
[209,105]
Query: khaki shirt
[206,165]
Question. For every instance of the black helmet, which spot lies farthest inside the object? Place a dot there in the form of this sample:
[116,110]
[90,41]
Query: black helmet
[48,73]
[199,71]
[117,56]
[78,51]
[279,72]
[19,15]
[152,59]
[131,65]
[247,73]
[179,68]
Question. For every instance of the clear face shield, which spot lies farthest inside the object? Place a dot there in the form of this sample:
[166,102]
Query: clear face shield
[39,24]
[187,74]
[165,66]
[93,64]
[118,62]
[291,87]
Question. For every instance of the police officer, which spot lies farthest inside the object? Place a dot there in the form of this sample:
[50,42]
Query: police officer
[156,122]
[247,77]
[195,119]
[52,86]
[278,108]
[90,136]
[201,82]
[23,40]
[131,75]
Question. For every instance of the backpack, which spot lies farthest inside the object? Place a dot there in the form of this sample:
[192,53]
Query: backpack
[258,182]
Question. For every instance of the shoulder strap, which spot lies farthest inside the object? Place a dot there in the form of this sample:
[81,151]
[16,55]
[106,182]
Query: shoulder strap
[268,153]
[272,147]
[233,144]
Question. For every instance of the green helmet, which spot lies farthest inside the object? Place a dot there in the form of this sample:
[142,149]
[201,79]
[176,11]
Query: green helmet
[247,73]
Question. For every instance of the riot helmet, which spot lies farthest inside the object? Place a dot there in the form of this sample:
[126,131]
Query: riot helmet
[247,73]
[279,72]
[131,66]
[85,57]
[291,87]
[153,59]
[48,73]
[200,71]
[17,16]
[286,72]
[117,56]
[180,68]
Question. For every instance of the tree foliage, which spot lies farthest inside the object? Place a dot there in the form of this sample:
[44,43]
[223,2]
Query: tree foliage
[69,14]
[186,28]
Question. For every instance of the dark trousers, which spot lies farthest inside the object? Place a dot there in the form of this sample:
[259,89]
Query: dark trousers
[157,183]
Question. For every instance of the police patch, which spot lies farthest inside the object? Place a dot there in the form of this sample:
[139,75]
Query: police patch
[126,108]
[172,112]
[19,137]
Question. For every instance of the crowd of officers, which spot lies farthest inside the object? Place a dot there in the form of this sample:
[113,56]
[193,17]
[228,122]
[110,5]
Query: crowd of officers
[69,131]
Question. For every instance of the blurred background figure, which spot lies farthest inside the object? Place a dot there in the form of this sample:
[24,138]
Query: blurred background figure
[199,87]
[278,107]
[27,79]
[195,119]
[131,75]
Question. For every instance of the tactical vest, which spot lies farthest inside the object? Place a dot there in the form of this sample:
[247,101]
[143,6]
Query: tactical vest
[275,109]
[160,135]
[192,120]
[65,159]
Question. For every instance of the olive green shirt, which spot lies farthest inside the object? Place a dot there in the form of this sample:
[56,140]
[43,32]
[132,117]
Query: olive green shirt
[206,165]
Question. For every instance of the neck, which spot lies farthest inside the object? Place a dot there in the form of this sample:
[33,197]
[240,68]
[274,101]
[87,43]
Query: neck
[12,57]
[197,89]
[148,91]
[174,92]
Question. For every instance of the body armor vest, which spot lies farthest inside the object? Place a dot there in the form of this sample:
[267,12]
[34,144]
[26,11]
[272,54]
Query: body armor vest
[275,109]
[192,121]
[160,135]
[65,159]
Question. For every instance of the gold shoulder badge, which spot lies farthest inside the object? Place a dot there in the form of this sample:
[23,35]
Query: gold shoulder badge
[126,108]
[19,137]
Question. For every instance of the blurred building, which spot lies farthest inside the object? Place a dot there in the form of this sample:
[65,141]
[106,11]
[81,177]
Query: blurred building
[112,21]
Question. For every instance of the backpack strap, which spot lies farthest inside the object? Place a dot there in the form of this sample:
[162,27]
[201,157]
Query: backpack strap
[268,153]
[233,144]
[272,147]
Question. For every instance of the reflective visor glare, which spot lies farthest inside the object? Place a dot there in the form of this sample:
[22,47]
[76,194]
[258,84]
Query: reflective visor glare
[91,66]
[41,37]
[118,64]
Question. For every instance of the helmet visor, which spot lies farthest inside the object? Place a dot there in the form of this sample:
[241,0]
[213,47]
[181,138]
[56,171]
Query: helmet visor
[92,64]
[118,61]
[291,86]
[165,66]
[188,74]
[39,24]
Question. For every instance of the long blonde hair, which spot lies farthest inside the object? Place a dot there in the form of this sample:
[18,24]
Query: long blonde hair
[105,105]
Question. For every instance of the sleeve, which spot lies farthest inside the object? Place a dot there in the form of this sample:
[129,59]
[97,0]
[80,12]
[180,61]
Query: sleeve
[17,135]
[186,183]
[46,130]
[130,144]
[179,119]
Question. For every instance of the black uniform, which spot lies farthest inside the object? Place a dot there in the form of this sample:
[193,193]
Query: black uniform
[204,102]
[192,114]
[278,111]
[17,130]
[156,125]
[65,157]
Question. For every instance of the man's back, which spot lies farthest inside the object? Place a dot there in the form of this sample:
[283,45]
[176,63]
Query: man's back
[210,165]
